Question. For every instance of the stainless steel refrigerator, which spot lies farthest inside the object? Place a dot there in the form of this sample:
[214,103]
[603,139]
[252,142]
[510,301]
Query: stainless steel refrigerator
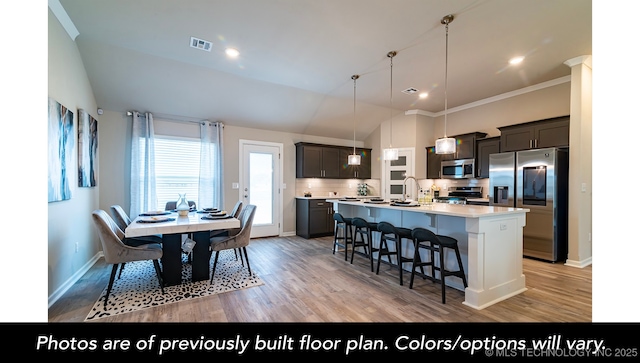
[537,180]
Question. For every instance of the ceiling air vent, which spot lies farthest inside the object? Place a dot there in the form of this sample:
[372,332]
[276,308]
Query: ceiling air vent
[410,91]
[200,44]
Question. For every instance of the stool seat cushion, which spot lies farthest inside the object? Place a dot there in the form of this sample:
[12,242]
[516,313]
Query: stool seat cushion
[405,232]
[447,241]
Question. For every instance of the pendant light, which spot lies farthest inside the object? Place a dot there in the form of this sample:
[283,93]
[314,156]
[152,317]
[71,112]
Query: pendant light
[391,153]
[355,158]
[446,145]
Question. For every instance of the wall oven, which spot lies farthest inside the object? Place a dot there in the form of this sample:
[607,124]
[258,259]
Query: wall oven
[457,169]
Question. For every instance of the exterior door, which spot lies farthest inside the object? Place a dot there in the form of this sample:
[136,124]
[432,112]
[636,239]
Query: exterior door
[260,185]
[395,171]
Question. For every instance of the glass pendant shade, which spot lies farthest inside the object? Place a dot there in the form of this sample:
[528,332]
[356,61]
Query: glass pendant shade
[390,154]
[446,145]
[353,159]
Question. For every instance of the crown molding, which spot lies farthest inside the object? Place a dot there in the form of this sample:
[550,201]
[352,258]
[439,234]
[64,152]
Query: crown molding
[503,96]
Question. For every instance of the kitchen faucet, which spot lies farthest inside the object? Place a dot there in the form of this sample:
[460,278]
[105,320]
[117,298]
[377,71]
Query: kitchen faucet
[404,186]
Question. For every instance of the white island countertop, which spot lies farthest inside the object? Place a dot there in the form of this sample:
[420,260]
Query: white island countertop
[456,210]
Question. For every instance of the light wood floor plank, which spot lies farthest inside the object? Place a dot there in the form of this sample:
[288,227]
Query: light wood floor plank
[305,282]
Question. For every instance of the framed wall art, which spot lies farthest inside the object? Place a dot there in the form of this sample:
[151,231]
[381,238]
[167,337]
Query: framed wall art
[60,148]
[87,149]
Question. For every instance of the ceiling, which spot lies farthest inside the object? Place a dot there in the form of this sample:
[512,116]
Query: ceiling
[297,57]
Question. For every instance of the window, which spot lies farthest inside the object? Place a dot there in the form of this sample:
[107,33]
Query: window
[177,168]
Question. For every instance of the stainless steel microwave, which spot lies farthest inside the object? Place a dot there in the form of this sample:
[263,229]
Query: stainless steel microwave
[457,169]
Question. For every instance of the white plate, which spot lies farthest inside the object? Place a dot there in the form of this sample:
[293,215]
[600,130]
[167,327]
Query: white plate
[155,212]
[156,219]
[214,216]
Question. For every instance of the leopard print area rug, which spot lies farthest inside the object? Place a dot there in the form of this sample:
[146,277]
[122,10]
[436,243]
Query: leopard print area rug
[137,288]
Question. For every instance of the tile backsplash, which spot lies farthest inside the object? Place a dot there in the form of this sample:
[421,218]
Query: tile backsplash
[343,187]
[349,187]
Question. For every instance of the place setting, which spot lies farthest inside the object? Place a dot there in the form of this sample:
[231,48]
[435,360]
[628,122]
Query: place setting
[222,214]
[376,201]
[155,216]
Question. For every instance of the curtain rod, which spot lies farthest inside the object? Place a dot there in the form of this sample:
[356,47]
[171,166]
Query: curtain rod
[174,117]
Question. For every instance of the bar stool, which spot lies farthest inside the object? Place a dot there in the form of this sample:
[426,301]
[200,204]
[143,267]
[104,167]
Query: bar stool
[346,238]
[436,243]
[389,232]
[364,230]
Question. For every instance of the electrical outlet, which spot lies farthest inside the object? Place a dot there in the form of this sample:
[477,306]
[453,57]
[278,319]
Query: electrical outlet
[77,247]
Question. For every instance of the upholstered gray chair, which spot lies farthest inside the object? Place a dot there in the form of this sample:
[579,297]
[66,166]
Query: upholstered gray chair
[238,241]
[233,231]
[117,253]
[122,220]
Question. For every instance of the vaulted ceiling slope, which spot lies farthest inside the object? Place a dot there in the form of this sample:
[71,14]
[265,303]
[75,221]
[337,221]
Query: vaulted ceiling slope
[297,56]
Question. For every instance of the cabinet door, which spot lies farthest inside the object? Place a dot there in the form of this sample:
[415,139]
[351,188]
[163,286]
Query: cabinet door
[317,221]
[364,171]
[517,138]
[433,163]
[331,162]
[485,148]
[553,134]
[347,171]
[465,147]
[308,161]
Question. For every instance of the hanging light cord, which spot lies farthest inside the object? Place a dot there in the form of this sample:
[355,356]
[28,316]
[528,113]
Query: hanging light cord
[391,55]
[354,77]
[446,20]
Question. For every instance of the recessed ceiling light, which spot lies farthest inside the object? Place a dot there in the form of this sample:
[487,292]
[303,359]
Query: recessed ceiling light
[232,52]
[424,95]
[516,60]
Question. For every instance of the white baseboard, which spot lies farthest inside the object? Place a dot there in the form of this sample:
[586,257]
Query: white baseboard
[579,264]
[73,279]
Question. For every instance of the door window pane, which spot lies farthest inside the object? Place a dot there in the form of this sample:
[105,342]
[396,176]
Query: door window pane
[397,174]
[261,186]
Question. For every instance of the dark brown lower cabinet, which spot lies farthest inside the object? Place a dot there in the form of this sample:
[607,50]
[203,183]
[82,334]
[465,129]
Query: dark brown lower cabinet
[314,218]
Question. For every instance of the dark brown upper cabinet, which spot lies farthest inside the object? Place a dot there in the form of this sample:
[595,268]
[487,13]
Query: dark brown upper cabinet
[330,162]
[485,147]
[553,132]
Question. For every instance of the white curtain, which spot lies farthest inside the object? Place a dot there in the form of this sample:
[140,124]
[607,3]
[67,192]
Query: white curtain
[143,170]
[210,185]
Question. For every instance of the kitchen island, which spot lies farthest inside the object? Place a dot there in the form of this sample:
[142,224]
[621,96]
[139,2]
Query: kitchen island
[489,238]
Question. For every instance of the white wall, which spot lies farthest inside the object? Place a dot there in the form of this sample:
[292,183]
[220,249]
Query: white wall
[72,241]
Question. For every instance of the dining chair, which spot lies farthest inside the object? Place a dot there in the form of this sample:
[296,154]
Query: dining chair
[117,253]
[232,231]
[122,220]
[238,241]
[235,213]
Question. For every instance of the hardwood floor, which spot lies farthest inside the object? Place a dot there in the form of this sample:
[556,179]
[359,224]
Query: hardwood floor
[305,282]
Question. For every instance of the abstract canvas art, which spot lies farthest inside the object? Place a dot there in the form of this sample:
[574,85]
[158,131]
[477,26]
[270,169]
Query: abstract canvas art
[87,149]
[61,144]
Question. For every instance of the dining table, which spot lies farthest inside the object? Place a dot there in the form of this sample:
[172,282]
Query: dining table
[172,226]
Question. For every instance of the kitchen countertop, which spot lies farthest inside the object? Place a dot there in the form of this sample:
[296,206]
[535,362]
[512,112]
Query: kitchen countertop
[457,210]
[338,198]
